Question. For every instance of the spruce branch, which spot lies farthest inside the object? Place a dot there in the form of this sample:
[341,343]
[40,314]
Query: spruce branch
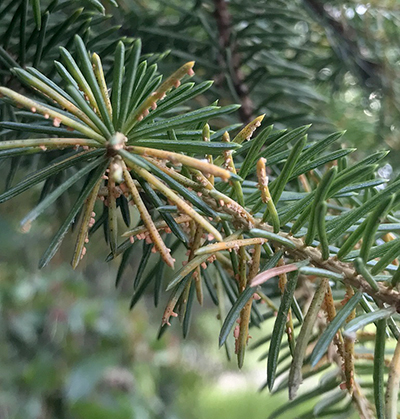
[245,211]
[300,251]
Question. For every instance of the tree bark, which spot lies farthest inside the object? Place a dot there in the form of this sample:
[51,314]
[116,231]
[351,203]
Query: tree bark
[224,25]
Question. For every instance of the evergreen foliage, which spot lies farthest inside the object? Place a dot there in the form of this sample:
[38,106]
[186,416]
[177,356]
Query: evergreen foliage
[263,214]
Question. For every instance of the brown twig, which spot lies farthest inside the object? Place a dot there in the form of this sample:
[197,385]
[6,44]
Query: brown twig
[384,294]
[223,20]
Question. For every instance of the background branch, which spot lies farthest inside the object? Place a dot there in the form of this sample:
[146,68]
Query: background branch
[227,43]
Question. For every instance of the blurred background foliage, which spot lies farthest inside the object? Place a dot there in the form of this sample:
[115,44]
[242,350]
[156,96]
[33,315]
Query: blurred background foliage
[68,346]
[330,63]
